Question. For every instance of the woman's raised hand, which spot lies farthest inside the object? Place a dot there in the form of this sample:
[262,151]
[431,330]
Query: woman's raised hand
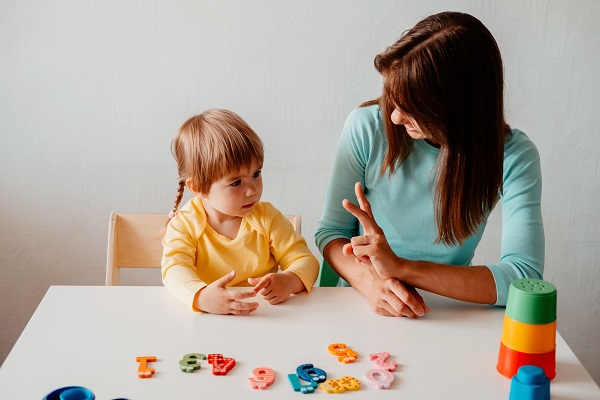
[372,247]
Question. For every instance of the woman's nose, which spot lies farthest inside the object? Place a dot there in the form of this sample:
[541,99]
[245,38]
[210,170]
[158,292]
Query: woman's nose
[398,118]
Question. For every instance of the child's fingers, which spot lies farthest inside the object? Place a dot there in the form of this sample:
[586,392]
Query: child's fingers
[276,300]
[241,295]
[261,284]
[225,279]
[254,281]
[242,308]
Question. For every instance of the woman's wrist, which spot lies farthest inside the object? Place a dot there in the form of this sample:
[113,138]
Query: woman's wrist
[401,268]
[363,279]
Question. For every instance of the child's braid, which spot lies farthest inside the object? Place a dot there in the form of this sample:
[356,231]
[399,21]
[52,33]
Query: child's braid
[178,197]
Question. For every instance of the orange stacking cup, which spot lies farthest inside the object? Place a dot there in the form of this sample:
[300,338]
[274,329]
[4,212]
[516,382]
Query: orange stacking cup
[528,338]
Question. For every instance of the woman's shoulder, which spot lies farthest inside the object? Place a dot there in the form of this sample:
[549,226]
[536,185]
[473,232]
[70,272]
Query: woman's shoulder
[364,128]
[365,115]
[519,145]
[521,159]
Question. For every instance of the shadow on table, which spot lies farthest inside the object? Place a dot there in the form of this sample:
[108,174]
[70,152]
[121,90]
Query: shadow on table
[566,373]
[459,310]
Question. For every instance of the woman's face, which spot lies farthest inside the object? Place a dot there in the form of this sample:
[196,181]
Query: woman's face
[412,128]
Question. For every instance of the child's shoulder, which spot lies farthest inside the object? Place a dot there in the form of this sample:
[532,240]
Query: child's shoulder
[264,216]
[191,217]
[264,212]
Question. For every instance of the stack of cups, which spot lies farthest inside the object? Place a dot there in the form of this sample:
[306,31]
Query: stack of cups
[529,330]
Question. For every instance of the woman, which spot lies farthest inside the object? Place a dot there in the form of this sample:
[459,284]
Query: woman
[434,155]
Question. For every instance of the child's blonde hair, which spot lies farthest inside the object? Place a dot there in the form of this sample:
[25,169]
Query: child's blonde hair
[211,145]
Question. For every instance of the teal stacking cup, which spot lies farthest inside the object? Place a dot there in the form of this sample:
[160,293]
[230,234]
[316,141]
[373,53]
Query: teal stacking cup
[531,301]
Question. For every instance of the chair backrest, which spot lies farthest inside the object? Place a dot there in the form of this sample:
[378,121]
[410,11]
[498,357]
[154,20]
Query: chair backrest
[296,221]
[135,241]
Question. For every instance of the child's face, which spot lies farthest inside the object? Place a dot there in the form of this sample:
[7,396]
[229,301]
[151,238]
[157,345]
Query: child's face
[235,194]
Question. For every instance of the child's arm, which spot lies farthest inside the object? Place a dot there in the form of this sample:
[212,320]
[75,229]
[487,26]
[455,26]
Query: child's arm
[277,287]
[299,267]
[181,279]
[292,253]
[216,299]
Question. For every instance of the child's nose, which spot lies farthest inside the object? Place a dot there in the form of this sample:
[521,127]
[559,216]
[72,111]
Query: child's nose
[251,189]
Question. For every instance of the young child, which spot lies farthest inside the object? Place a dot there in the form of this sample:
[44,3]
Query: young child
[224,236]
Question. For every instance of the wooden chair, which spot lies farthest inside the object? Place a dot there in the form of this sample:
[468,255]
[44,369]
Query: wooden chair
[135,241]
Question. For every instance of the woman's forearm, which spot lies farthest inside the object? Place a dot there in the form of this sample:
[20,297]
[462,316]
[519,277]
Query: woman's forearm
[346,266]
[474,284]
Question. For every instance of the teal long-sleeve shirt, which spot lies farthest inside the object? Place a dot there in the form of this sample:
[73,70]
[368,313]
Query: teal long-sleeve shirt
[402,203]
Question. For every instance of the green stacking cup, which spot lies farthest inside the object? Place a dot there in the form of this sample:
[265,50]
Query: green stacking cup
[532,301]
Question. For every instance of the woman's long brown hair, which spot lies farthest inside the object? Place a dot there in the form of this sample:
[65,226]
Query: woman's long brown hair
[447,74]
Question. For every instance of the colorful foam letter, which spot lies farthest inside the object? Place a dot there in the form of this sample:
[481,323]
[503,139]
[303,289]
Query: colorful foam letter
[143,370]
[380,358]
[299,387]
[190,362]
[340,385]
[311,374]
[380,378]
[221,365]
[261,378]
[344,354]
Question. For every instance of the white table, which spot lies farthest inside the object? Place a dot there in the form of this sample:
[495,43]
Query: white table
[91,336]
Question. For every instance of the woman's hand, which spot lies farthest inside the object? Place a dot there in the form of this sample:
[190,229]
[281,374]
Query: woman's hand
[216,299]
[372,247]
[390,297]
[387,294]
[277,287]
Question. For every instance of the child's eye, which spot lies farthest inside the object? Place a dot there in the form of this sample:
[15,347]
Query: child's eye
[257,174]
[236,183]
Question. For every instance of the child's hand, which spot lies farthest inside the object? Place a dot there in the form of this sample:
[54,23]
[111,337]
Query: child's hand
[277,287]
[216,299]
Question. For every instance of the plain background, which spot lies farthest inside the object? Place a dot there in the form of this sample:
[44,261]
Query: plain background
[91,93]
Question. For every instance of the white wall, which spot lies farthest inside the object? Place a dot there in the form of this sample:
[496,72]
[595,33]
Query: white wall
[91,93]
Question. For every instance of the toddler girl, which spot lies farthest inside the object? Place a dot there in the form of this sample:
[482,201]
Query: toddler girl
[225,236]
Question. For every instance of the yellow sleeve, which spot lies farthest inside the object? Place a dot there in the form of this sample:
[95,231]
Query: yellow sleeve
[179,260]
[290,249]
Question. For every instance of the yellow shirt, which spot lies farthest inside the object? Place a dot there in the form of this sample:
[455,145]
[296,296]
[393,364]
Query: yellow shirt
[195,255]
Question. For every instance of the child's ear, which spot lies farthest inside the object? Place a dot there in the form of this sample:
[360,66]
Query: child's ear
[189,183]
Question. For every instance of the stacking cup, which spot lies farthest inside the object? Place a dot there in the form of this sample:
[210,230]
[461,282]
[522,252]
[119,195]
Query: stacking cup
[529,329]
